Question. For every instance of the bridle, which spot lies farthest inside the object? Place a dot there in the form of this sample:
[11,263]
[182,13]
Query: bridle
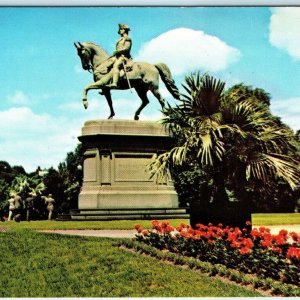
[82,52]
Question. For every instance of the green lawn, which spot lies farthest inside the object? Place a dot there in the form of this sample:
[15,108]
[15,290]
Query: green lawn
[41,265]
[119,224]
[257,219]
[276,219]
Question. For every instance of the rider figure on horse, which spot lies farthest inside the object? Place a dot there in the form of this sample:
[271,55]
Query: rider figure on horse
[121,54]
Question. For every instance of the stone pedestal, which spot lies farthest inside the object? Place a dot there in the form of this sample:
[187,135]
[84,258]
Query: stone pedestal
[116,155]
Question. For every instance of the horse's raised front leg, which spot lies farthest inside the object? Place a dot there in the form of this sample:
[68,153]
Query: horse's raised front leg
[92,86]
[106,93]
[142,92]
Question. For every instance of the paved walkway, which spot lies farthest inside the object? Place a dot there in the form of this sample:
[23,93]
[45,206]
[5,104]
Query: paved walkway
[99,233]
[131,233]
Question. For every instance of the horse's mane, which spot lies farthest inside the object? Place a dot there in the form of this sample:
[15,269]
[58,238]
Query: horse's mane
[96,46]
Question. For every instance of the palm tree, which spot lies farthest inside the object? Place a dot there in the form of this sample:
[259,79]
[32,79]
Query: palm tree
[236,142]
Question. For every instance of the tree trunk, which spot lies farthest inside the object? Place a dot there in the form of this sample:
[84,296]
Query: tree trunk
[221,210]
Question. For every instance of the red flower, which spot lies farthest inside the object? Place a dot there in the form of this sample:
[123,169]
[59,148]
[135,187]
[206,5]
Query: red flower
[137,226]
[190,230]
[283,232]
[255,233]
[276,250]
[266,243]
[235,244]
[293,252]
[280,240]
[145,232]
[248,223]
[245,250]
[231,237]
[248,243]
[262,229]
[183,233]
[169,229]
[179,228]
[155,223]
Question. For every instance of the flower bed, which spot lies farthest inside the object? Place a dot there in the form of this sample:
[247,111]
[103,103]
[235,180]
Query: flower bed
[255,251]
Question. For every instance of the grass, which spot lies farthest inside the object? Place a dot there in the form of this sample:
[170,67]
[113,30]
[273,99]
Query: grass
[34,264]
[80,225]
[257,220]
[276,219]
[39,265]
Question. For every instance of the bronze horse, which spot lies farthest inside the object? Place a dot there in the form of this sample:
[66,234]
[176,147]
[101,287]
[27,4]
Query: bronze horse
[141,76]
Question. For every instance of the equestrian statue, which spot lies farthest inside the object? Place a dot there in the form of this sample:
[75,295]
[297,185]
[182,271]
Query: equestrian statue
[120,72]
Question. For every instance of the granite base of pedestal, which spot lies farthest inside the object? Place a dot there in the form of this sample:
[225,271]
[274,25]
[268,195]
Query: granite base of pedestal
[115,176]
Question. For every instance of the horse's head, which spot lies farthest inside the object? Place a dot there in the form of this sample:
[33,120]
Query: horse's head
[85,55]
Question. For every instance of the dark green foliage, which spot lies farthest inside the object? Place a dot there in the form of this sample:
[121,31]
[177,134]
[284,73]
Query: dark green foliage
[71,172]
[64,184]
[229,143]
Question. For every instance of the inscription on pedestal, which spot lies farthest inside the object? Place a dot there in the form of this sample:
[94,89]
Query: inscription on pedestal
[132,168]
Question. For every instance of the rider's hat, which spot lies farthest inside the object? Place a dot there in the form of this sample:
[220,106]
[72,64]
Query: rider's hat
[124,26]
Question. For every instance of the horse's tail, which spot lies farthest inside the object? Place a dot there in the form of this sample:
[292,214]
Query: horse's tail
[166,77]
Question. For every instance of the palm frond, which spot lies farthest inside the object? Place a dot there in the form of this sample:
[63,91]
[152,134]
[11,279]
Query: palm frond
[268,165]
[203,94]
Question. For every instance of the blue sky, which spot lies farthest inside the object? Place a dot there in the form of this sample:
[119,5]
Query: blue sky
[41,113]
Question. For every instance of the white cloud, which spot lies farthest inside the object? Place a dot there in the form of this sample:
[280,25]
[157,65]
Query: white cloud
[186,50]
[288,110]
[32,140]
[18,98]
[284,30]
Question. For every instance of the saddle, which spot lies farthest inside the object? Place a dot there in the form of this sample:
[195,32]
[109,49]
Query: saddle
[106,67]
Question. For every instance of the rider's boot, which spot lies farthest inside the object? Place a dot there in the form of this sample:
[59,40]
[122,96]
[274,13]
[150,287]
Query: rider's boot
[114,84]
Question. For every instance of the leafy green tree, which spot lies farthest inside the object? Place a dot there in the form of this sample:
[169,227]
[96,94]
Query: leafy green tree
[239,148]
[64,184]
[72,170]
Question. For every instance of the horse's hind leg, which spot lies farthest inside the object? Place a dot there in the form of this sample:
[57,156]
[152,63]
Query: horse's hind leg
[106,93]
[142,92]
[159,97]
